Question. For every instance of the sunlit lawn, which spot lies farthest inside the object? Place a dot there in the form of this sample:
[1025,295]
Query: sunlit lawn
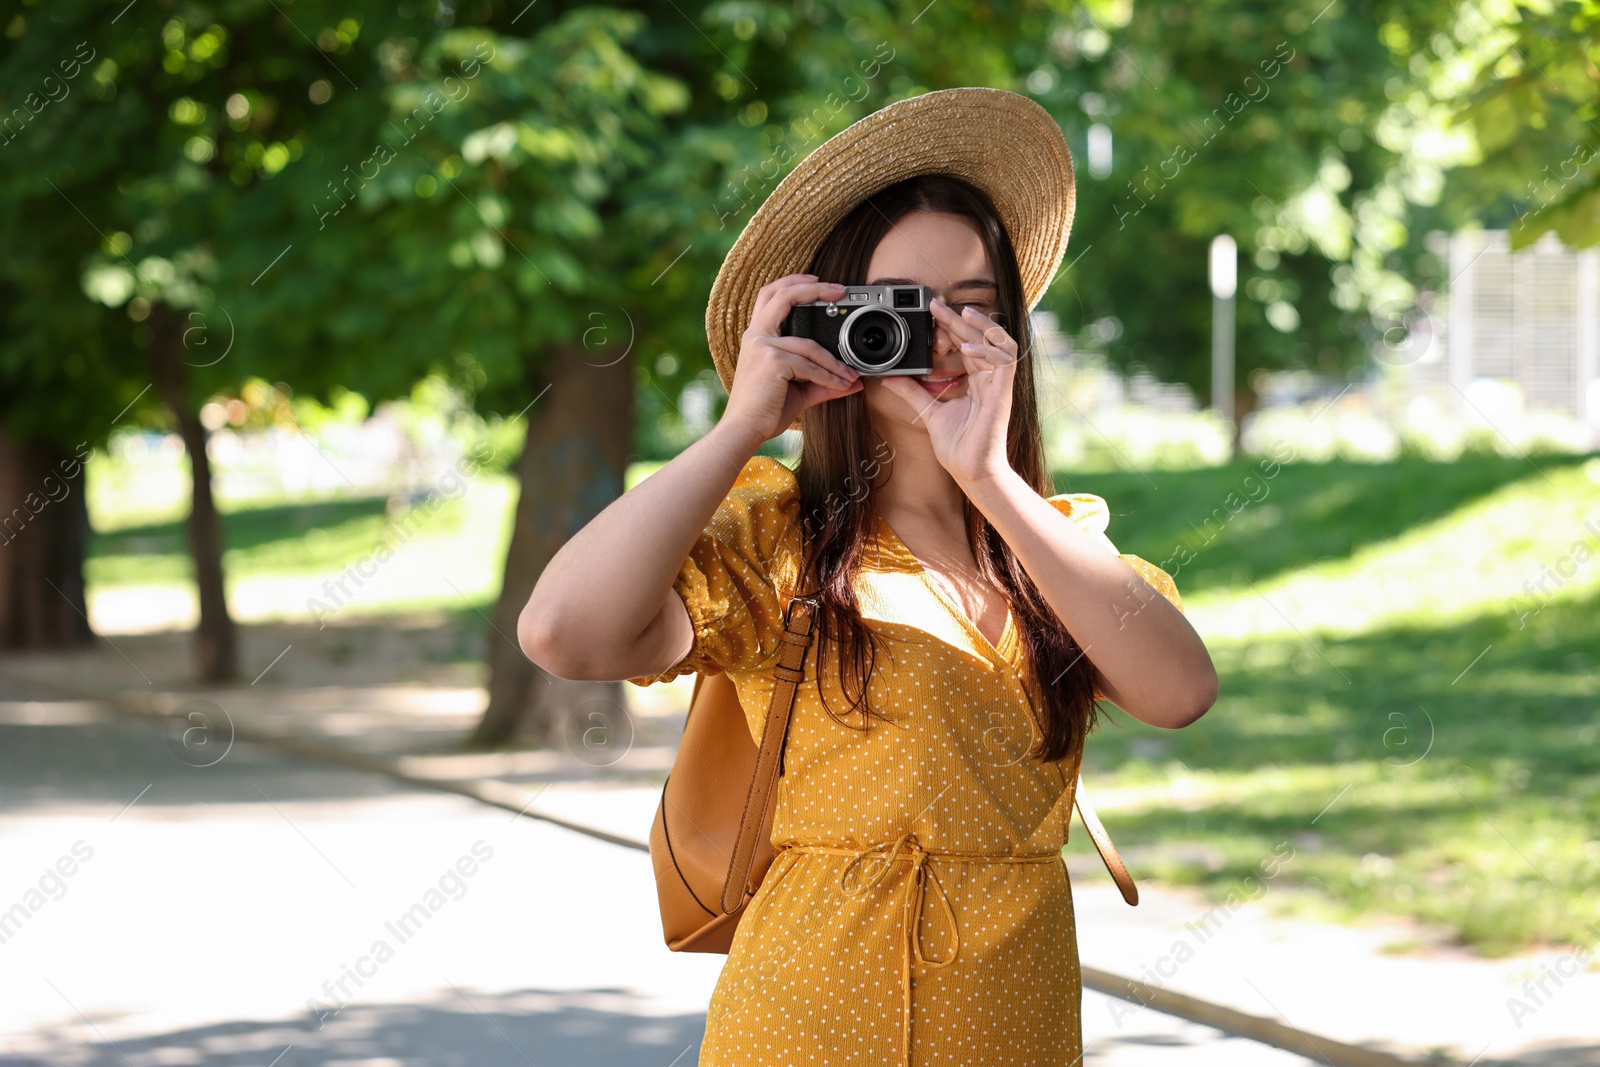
[1388,738]
[1385,723]
[279,557]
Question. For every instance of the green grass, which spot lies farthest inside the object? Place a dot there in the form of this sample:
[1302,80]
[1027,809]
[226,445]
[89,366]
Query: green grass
[1300,515]
[273,539]
[1395,717]
[1398,730]
[277,556]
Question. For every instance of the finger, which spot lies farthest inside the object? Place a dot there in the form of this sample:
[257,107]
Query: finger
[954,321]
[993,348]
[969,324]
[813,393]
[983,362]
[913,394]
[987,355]
[808,348]
[799,368]
[764,293]
[767,318]
[989,331]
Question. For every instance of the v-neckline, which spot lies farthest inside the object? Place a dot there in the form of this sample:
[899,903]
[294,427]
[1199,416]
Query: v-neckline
[1000,649]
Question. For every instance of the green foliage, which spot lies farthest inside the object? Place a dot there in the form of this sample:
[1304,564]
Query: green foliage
[135,188]
[360,195]
[1257,122]
[1534,107]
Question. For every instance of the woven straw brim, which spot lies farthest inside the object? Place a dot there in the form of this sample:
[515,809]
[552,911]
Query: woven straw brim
[1004,143]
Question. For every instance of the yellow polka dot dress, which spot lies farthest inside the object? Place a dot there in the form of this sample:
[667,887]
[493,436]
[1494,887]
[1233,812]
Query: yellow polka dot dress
[918,909]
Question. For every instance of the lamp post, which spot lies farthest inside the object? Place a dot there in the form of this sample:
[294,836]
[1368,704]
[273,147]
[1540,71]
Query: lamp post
[1224,281]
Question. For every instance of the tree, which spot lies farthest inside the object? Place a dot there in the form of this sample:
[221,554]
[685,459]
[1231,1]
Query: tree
[1194,120]
[751,94]
[549,222]
[143,141]
[62,383]
[1532,105]
[534,201]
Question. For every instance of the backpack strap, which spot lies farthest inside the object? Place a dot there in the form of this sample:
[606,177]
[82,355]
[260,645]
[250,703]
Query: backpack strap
[796,639]
[1102,842]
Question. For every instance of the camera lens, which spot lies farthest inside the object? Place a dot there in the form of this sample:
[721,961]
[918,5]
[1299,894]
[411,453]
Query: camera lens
[872,339]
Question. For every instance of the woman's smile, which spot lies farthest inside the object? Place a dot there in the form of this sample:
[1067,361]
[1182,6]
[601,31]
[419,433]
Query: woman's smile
[944,385]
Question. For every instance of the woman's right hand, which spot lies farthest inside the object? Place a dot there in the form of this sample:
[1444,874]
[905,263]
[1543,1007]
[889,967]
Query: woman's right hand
[779,376]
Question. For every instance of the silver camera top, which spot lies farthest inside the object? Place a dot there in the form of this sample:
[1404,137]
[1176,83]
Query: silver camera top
[894,297]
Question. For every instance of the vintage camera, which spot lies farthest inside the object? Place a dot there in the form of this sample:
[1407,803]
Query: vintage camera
[877,329]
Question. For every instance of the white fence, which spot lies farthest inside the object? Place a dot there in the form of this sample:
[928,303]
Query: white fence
[1525,323]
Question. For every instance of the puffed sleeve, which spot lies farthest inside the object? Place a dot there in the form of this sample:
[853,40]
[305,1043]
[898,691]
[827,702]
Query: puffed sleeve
[739,574]
[1093,516]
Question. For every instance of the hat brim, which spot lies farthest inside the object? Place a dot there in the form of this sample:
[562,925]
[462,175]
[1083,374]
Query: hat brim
[1004,143]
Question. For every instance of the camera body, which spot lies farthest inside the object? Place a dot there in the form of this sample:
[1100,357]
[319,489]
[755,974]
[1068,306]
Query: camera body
[877,329]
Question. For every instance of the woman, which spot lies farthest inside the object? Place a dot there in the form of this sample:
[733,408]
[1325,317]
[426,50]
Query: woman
[967,620]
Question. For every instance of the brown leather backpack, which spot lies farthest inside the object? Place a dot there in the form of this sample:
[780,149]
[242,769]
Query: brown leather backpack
[711,843]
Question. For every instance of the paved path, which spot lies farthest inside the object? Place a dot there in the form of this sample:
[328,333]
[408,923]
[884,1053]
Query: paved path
[212,913]
[218,897]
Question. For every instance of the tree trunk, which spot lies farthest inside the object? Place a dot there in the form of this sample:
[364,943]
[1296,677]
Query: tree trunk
[580,438]
[216,641]
[1245,401]
[44,535]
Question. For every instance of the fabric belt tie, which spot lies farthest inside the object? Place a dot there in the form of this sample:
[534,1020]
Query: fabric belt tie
[906,846]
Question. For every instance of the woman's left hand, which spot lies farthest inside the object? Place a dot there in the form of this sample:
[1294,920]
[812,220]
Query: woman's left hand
[968,432]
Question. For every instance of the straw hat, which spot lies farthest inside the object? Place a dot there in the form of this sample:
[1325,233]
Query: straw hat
[1004,143]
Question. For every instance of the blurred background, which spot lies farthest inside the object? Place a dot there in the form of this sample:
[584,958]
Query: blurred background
[324,324]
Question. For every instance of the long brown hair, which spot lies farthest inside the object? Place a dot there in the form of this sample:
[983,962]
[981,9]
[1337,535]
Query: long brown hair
[839,460]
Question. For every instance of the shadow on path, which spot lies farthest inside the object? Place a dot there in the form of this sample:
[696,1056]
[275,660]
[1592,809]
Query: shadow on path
[470,1029]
